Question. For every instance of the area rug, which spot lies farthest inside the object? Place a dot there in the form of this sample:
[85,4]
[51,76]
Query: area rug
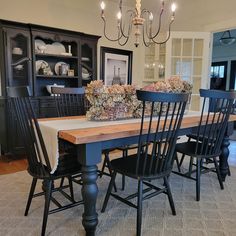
[214,215]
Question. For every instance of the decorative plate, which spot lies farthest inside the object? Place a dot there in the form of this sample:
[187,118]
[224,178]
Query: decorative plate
[38,43]
[50,49]
[57,66]
[41,64]
[58,48]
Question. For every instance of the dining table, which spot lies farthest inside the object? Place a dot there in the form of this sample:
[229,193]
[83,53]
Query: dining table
[91,137]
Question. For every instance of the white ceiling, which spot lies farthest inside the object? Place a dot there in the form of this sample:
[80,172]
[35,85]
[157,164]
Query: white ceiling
[193,15]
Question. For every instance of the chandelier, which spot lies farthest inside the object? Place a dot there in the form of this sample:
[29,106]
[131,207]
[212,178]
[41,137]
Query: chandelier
[141,20]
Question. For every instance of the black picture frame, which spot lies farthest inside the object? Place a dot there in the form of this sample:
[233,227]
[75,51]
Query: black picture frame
[116,66]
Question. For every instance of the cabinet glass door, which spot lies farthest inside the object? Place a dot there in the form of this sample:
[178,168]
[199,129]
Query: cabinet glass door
[88,72]
[19,58]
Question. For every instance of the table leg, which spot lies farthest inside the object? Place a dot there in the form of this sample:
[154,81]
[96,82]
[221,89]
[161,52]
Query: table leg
[224,167]
[89,193]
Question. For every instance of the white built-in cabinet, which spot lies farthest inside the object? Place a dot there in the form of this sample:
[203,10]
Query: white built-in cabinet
[154,67]
[186,54]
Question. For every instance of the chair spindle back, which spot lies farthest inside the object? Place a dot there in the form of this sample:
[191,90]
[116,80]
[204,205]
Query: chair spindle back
[160,130]
[70,101]
[33,141]
[216,109]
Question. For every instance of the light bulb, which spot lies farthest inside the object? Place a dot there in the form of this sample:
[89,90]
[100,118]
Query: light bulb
[151,17]
[103,5]
[119,15]
[173,7]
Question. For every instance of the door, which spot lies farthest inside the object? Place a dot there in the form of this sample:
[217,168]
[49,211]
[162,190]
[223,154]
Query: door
[17,69]
[188,56]
[232,84]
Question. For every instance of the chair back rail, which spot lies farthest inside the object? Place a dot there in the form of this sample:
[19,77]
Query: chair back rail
[35,148]
[212,126]
[70,101]
[159,129]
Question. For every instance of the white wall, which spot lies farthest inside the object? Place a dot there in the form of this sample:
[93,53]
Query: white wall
[84,16]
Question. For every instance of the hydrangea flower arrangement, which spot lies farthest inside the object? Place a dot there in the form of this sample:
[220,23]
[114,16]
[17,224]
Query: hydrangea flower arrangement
[120,101]
[173,84]
[111,103]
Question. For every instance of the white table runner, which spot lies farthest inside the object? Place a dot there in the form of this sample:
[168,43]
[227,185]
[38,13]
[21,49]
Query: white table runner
[51,128]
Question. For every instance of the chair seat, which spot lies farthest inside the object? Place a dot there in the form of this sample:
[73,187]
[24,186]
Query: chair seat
[128,147]
[67,165]
[188,148]
[195,136]
[127,166]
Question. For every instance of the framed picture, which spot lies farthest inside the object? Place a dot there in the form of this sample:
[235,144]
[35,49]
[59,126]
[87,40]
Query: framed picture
[116,66]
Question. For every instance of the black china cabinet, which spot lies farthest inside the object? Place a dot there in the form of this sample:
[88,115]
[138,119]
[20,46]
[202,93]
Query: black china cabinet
[39,56]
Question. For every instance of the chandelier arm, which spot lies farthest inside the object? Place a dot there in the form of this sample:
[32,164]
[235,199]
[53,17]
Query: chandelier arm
[159,26]
[143,13]
[122,44]
[146,44]
[105,34]
[119,42]
[167,37]
[130,25]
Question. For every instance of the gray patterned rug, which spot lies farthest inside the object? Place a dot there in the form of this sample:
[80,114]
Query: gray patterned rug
[214,215]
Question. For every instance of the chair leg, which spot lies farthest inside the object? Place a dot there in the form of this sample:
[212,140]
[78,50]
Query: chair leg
[169,194]
[62,181]
[125,154]
[229,172]
[71,188]
[104,165]
[190,167]
[31,193]
[178,162]
[48,185]
[198,174]
[218,173]
[111,184]
[139,209]
[110,171]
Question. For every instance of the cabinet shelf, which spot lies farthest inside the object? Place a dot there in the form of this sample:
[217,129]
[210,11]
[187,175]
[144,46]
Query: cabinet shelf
[44,55]
[57,77]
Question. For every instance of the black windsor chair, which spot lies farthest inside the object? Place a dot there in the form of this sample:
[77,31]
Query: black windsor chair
[205,143]
[70,101]
[152,161]
[39,166]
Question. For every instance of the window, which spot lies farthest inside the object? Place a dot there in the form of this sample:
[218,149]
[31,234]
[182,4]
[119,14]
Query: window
[218,75]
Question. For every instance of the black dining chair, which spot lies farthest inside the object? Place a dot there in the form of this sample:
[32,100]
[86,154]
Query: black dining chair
[204,145]
[38,161]
[152,161]
[70,101]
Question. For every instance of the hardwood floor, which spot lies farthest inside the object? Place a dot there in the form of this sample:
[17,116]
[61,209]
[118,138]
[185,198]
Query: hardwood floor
[11,164]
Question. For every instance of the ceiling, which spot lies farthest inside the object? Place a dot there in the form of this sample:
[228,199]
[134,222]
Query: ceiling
[193,15]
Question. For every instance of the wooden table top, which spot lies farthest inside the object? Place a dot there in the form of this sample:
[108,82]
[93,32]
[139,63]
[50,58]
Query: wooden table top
[96,134]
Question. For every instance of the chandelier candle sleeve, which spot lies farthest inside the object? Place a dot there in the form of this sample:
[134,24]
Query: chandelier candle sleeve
[138,8]
[142,20]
